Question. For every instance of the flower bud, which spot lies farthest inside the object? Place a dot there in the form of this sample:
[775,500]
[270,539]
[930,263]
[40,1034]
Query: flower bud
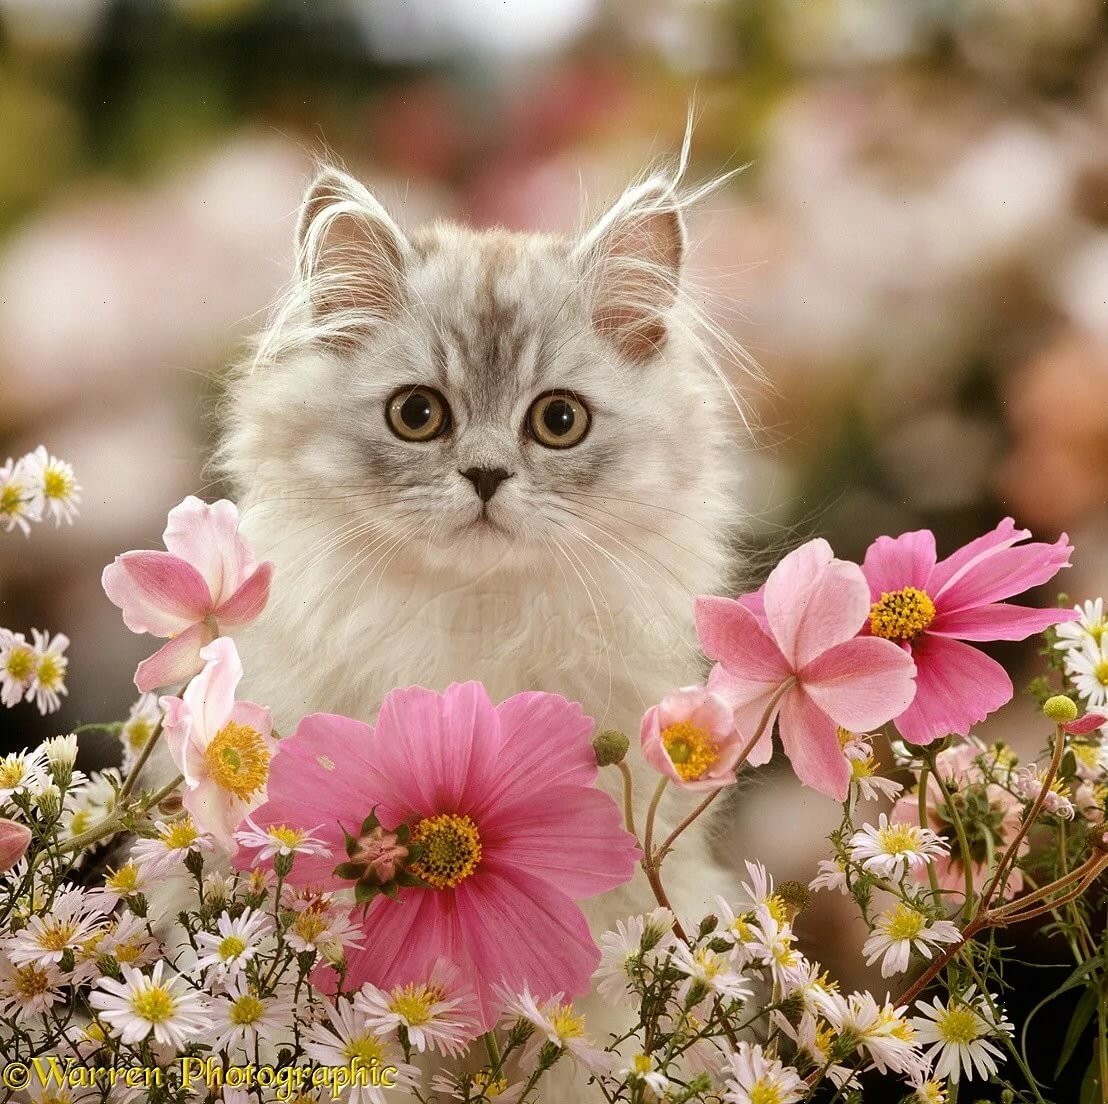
[796,897]
[61,754]
[14,841]
[610,747]
[1060,709]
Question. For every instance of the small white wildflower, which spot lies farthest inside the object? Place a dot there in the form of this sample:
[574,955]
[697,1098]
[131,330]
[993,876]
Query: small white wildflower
[892,850]
[234,943]
[956,1035]
[636,941]
[29,988]
[140,1004]
[18,667]
[20,498]
[902,929]
[1057,800]
[280,839]
[22,772]
[883,1033]
[54,482]
[832,875]
[168,850]
[555,1022]
[711,971]
[47,686]
[141,724]
[72,918]
[1090,627]
[754,1078]
[242,1017]
[1088,668]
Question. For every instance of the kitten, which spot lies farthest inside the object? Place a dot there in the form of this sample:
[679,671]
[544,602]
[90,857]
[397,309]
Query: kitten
[495,456]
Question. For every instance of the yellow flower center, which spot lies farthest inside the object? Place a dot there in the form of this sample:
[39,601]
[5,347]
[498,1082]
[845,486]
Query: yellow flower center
[137,733]
[413,1004]
[56,483]
[12,772]
[367,1050]
[901,614]
[81,820]
[154,1004]
[490,1086]
[764,1092]
[246,1010]
[898,839]
[124,880]
[56,935]
[51,671]
[863,768]
[238,760]
[309,925]
[904,923]
[451,849]
[959,1026]
[127,953]
[286,836]
[11,499]
[21,663]
[691,749]
[29,981]
[566,1023]
[1100,671]
[231,947]
[180,835]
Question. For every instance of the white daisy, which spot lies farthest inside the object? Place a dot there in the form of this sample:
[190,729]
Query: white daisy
[141,723]
[772,944]
[754,1078]
[20,498]
[643,1071]
[758,893]
[956,1035]
[22,772]
[167,851]
[346,1040]
[870,785]
[709,971]
[1028,782]
[128,880]
[892,850]
[47,687]
[71,919]
[815,1038]
[54,481]
[28,988]
[634,942]
[242,1017]
[326,928]
[234,944]
[88,800]
[1091,626]
[141,1004]
[438,1014]
[1088,668]
[926,1090]
[555,1022]
[832,875]
[18,665]
[129,942]
[280,839]
[900,930]
[883,1034]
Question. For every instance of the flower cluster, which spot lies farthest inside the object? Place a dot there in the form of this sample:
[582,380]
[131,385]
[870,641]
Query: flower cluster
[354,906]
[36,487]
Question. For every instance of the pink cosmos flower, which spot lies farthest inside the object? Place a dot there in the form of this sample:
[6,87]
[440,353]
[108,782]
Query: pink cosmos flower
[223,747]
[930,608]
[205,583]
[691,738]
[792,652]
[503,800]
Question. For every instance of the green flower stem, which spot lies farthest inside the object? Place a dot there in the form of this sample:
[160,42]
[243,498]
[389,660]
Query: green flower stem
[924,822]
[113,822]
[963,840]
[144,755]
[628,798]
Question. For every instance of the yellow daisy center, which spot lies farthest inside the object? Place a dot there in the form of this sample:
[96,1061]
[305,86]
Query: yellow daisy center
[566,1023]
[904,923]
[21,663]
[180,835]
[764,1092]
[231,947]
[29,981]
[126,953]
[286,836]
[11,499]
[309,925]
[124,880]
[691,749]
[1100,672]
[367,1050]
[863,768]
[82,819]
[56,483]
[958,1026]
[12,773]
[901,614]
[51,671]
[246,1010]
[898,839]
[136,733]
[57,935]
[451,849]
[413,1004]
[154,1004]
[490,1086]
[238,760]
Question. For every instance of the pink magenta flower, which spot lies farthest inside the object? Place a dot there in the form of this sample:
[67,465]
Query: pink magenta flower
[930,608]
[690,737]
[792,652]
[205,583]
[503,801]
[223,747]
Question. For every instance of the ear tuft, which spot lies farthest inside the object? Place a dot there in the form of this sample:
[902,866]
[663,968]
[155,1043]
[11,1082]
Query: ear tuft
[351,257]
[633,260]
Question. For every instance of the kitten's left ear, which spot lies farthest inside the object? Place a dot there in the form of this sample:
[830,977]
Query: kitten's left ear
[632,261]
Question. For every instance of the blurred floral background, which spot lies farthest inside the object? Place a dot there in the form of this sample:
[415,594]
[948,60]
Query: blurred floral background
[916,255]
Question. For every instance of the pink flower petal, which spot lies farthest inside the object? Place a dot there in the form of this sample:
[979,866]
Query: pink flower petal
[246,603]
[206,536]
[895,562]
[210,696]
[811,741]
[159,593]
[1002,572]
[570,836]
[814,602]
[731,634]
[177,724]
[1000,621]
[1084,725]
[505,916]
[862,683]
[749,702]
[216,811]
[1003,536]
[444,746]
[956,687]
[175,662]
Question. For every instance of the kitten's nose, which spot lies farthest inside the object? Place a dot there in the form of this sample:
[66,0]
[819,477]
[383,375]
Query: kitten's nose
[486,480]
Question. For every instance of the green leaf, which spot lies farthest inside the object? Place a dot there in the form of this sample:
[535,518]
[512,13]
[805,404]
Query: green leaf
[1082,1014]
[1090,1086]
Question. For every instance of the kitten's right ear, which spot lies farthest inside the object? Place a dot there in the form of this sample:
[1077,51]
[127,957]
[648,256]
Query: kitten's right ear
[350,255]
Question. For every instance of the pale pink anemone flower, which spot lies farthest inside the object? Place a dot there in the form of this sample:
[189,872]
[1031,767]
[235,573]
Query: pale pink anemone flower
[792,652]
[223,747]
[929,608]
[504,801]
[990,814]
[204,584]
[690,737]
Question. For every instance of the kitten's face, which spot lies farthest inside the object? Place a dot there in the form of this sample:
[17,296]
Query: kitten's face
[487,399]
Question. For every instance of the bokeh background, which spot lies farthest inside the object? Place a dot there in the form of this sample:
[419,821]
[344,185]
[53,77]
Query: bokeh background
[916,256]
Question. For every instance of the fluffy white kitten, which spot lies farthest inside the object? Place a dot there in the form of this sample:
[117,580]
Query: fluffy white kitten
[495,456]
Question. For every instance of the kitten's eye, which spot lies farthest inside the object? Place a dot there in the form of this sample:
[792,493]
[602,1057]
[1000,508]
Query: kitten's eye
[417,414]
[558,420]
